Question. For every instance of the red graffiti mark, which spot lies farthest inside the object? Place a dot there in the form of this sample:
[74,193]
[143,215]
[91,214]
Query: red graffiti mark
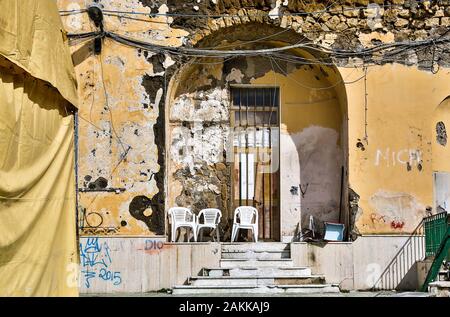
[397,224]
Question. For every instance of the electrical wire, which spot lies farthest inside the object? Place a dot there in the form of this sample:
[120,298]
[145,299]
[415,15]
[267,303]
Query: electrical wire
[388,49]
[365,53]
[310,46]
[82,35]
[97,127]
[303,31]
[109,109]
[133,18]
[366,137]
[342,81]
[391,51]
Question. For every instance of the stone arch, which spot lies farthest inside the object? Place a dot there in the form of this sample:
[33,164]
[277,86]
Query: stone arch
[244,17]
[440,150]
[299,25]
[197,112]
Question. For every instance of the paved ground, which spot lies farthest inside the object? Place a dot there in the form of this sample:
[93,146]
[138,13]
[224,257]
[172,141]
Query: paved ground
[349,294]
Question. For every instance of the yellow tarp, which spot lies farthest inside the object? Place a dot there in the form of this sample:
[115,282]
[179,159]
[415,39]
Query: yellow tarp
[33,38]
[38,249]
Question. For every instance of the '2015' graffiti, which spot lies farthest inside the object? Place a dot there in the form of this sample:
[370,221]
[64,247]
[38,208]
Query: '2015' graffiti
[96,260]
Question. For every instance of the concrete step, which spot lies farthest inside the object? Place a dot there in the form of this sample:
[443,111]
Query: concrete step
[256,255]
[256,247]
[439,289]
[249,289]
[255,280]
[243,263]
[260,271]
[443,275]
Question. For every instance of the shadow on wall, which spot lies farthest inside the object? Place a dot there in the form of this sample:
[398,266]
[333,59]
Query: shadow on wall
[321,159]
[402,273]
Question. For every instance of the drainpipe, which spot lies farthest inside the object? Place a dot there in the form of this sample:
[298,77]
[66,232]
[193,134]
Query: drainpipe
[75,120]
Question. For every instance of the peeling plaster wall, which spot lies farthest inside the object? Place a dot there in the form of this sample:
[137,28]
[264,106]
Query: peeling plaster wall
[311,121]
[123,139]
[121,131]
[199,129]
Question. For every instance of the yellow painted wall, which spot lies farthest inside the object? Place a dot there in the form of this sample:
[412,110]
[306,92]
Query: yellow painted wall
[302,106]
[401,103]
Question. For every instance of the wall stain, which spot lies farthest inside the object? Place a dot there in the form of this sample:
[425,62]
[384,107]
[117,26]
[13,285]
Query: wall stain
[157,202]
[99,183]
[137,209]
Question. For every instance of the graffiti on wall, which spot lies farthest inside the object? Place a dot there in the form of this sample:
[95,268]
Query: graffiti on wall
[95,260]
[92,222]
[391,158]
[153,246]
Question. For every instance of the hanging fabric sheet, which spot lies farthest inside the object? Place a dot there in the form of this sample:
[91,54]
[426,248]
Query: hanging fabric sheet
[38,249]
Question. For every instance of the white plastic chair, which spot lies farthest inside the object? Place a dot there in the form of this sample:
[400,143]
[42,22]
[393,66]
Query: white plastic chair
[211,218]
[248,219]
[182,217]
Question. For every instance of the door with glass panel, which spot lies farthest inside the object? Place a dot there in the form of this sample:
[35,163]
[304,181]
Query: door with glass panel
[255,125]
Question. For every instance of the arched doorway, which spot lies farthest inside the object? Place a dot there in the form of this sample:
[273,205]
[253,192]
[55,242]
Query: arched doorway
[227,118]
[441,156]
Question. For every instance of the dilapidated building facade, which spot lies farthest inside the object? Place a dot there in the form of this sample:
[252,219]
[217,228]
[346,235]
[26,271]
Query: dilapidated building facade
[322,111]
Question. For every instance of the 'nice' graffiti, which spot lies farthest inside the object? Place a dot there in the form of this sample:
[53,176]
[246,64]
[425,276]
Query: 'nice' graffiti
[390,158]
[95,258]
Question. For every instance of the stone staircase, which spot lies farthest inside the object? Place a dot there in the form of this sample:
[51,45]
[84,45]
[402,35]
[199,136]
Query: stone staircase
[255,268]
[441,287]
